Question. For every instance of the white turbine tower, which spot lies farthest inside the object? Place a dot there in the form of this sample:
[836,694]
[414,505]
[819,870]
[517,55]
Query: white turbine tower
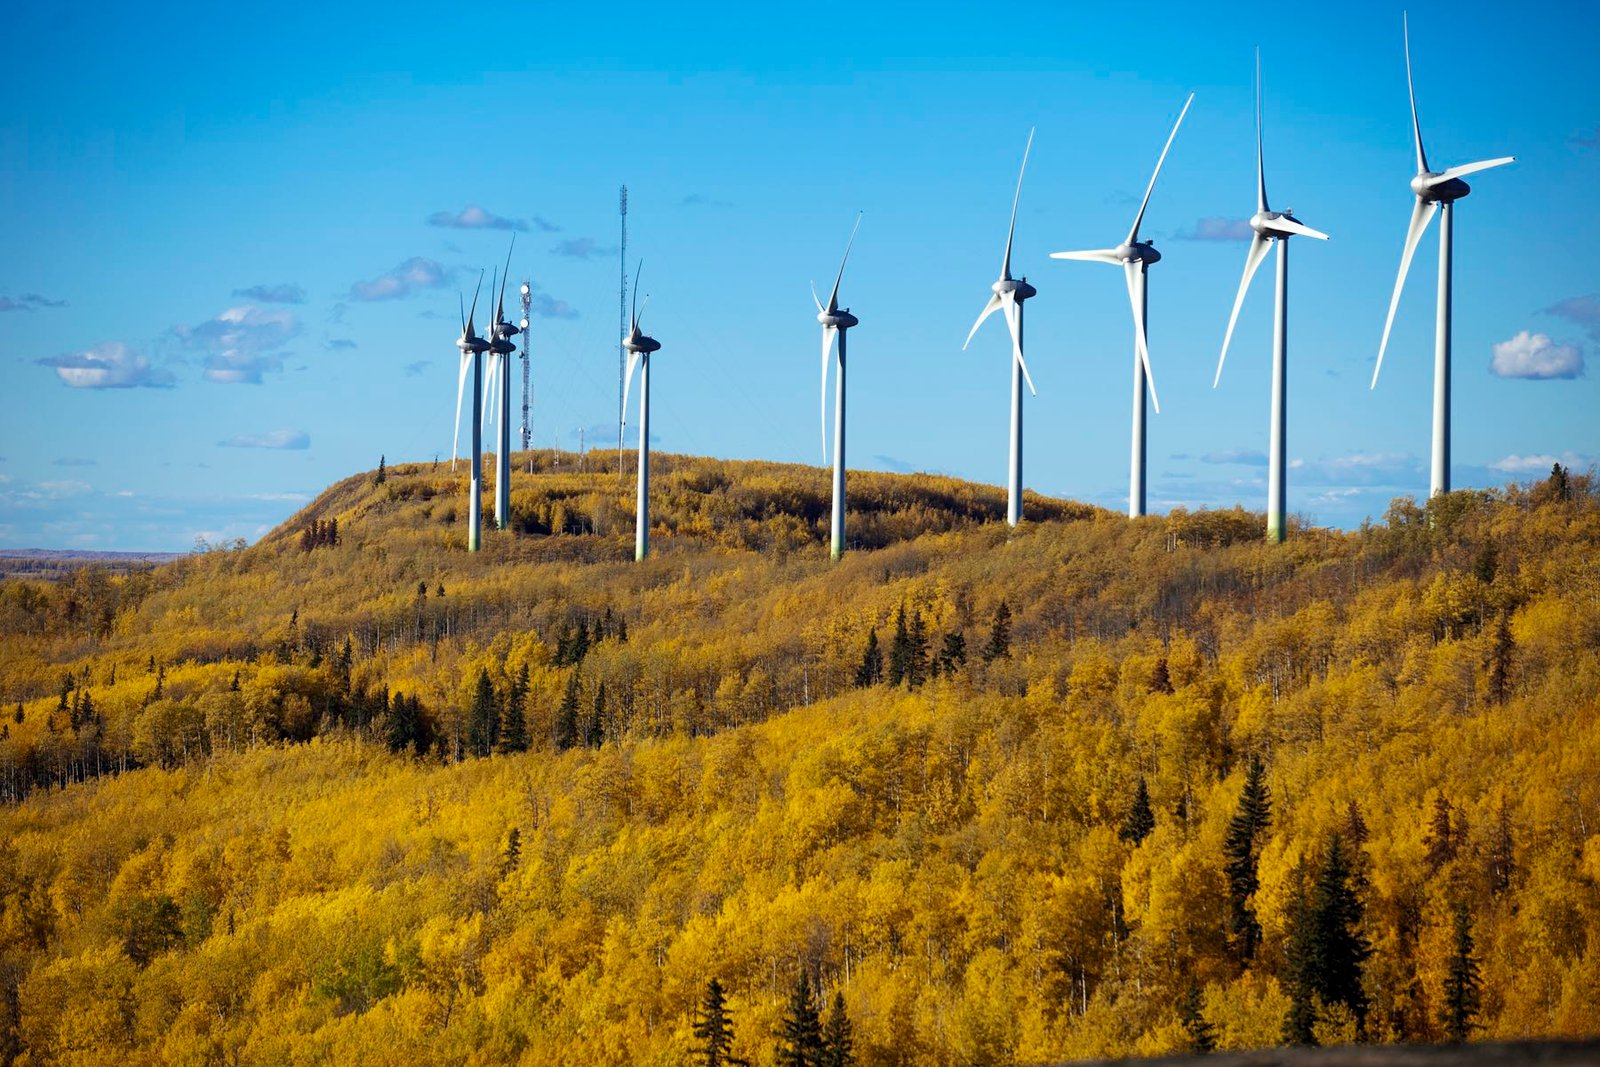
[835,321]
[500,351]
[1271,227]
[1436,191]
[1135,258]
[639,348]
[1009,293]
[472,349]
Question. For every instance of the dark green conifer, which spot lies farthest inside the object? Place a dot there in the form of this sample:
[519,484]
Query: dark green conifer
[513,735]
[1141,818]
[800,1033]
[1202,1035]
[899,649]
[1462,984]
[870,672]
[838,1036]
[1242,851]
[713,1028]
[999,645]
[482,717]
[565,727]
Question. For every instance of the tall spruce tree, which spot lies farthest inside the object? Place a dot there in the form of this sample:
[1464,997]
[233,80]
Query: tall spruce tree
[1202,1035]
[713,1027]
[899,649]
[999,645]
[870,672]
[838,1036]
[800,1033]
[1242,852]
[917,651]
[1326,951]
[1141,819]
[401,733]
[482,717]
[565,727]
[1463,986]
[1299,953]
[513,735]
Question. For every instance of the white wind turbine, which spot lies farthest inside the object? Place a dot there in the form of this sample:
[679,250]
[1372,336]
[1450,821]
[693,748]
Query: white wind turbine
[500,350]
[639,348]
[1435,190]
[1135,258]
[835,321]
[1009,293]
[1271,227]
[472,348]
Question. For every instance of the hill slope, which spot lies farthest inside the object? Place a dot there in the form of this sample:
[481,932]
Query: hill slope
[706,790]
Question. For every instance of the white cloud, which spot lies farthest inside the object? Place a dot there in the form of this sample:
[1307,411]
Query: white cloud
[1540,463]
[473,217]
[1534,355]
[280,439]
[112,365]
[415,273]
[286,293]
[1248,457]
[241,343]
[1583,310]
[584,248]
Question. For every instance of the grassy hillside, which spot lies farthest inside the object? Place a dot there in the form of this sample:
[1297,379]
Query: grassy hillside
[294,822]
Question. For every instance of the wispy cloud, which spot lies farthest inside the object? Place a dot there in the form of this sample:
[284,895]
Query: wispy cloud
[473,217]
[29,302]
[339,344]
[414,370]
[285,293]
[1246,457]
[1535,356]
[702,200]
[112,365]
[545,306]
[584,248]
[415,273]
[1365,469]
[73,461]
[1217,228]
[1541,462]
[1583,310]
[1589,138]
[279,439]
[241,343]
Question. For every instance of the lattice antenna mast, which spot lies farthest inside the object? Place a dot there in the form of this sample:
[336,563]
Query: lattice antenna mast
[527,317]
[622,315]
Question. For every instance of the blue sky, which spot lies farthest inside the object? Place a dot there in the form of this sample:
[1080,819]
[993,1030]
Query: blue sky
[226,282]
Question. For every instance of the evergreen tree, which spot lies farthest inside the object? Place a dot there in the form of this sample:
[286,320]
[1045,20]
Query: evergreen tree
[85,714]
[383,471]
[713,1027]
[999,645]
[161,680]
[1141,819]
[481,719]
[952,654]
[513,716]
[1560,484]
[1462,983]
[1202,1035]
[512,853]
[402,729]
[1299,953]
[1341,948]
[899,649]
[917,652]
[233,686]
[800,1033]
[1242,850]
[622,630]
[838,1036]
[565,726]
[1161,678]
[342,666]
[1442,836]
[18,715]
[870,672]
[1500,662]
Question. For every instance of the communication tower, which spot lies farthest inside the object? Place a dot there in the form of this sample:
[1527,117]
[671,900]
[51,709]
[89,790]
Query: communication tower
[527,316]
[622,314]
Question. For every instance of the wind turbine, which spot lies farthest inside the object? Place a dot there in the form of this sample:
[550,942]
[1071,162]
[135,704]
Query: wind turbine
[1135,258]
[1009,293]
[472,347]
[500,350]
[1437,192]
[639,348]
[1271,227]
[835,321]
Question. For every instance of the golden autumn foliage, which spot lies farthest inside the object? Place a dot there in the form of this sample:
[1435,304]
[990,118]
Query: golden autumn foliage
[220,859]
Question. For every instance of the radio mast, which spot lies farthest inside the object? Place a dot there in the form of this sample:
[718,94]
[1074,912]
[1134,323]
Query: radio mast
[527,316]
[622,315]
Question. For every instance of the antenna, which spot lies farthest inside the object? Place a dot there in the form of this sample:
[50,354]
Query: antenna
[527,321]
[622,316]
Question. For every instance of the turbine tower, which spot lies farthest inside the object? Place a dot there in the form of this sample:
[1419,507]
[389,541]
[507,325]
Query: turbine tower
[472,349]
[1135,258]
[639,348]
[501,349]
[835,321]
[1009,293]
[527,315]
[1436,192]
[1271,227]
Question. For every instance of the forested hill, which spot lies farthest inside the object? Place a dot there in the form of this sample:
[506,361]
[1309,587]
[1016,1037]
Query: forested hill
[1088,787]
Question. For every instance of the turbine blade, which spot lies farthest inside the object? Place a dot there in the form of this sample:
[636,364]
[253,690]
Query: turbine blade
[988,309]
[1130,272]
[1416,127]
[1005,264]
[505,275]
[492,372]
[1252,260]
[1093,255]
[1261,167]
[815,299]
[1009,304]
[827,351]
[627,386]
[461,390]
[1284,222]
[461,306]
[1421,214]
[1468,168]
[833,297]
[473,314]
[1133,234]
[636,273]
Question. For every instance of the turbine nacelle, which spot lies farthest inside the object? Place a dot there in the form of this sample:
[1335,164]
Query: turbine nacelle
[838,320]
[1138,252]
[1018,288]
[472,345]
[1431,189]
[639,344]
[1282,224]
